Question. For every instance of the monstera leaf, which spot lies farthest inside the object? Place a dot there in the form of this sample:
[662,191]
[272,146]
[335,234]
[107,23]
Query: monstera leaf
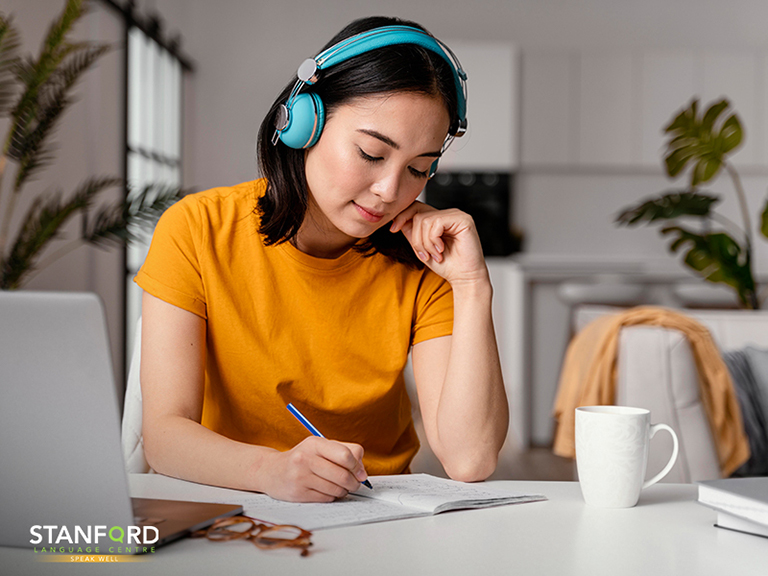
[668,207]
[704,141]
[718,258]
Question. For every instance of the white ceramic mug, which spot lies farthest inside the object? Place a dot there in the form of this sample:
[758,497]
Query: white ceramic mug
[612,453]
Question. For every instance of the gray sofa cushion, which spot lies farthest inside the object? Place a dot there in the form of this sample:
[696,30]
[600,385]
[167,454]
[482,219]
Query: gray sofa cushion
[753,411]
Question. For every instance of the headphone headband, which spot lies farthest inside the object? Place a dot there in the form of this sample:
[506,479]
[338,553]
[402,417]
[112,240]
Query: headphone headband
[388,36]
[342,51]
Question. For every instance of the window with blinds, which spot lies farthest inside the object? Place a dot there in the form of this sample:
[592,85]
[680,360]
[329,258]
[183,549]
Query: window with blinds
[154,109]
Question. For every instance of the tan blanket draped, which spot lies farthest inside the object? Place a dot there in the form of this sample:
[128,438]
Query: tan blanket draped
[588,378]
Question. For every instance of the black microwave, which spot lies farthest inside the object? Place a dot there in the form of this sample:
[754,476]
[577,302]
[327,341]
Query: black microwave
[487,197]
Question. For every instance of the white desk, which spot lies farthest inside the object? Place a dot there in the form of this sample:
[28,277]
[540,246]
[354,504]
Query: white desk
[667,533]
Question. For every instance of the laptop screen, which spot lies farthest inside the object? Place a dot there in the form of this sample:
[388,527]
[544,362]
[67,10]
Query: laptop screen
[60,450]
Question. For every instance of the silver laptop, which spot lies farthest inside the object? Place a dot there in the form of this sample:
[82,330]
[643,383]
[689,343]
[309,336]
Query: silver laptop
[61,461]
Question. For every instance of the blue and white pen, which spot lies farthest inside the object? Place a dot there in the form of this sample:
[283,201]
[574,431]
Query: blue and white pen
[315,432]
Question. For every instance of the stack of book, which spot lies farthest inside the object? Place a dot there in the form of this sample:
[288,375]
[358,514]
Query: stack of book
[741,503]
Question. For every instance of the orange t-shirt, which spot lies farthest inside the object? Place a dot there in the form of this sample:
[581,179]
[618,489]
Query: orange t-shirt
[330,335]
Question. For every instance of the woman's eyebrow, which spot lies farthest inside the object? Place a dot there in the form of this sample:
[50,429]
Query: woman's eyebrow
[391,143]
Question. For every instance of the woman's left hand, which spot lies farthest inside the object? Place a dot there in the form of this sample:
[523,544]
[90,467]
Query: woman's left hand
[445,240]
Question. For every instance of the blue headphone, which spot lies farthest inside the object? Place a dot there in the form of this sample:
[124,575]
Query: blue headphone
[301,118]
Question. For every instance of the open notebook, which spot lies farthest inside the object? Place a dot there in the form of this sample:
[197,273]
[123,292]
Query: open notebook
[392,498]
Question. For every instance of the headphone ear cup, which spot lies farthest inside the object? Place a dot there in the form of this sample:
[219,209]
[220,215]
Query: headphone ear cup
[320,115]
[306,116]
[433,168]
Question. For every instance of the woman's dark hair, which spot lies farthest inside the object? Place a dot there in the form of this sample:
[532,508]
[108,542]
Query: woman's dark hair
[396,68]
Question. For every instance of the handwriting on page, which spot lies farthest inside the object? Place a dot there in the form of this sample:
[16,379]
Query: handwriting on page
[313,516]
[428,492]
[426,487]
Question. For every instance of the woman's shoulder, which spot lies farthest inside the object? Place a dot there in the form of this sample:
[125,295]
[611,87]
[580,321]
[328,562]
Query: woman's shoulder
[219,205]
[245,193]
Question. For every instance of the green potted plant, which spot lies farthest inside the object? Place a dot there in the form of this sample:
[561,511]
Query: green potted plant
[34,93]
[716,248]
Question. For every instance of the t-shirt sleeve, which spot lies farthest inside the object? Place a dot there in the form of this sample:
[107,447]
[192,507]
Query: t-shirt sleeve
[433,316]
[172,270]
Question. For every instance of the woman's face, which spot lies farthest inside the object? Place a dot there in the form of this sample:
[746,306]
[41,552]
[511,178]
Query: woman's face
[370,163]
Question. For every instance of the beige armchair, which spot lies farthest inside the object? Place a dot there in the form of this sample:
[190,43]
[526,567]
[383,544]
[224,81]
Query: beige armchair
[656,371]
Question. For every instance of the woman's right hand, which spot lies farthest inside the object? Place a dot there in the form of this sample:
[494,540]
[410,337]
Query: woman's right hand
[315,470]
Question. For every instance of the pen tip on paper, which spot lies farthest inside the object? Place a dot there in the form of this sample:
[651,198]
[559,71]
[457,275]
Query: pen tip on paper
[368,484]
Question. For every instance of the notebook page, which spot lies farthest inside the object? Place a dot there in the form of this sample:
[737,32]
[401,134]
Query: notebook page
[393,497]
[433,495]
[315,516]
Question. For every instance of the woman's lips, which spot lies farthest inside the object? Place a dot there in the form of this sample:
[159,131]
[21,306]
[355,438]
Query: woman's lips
[370,215]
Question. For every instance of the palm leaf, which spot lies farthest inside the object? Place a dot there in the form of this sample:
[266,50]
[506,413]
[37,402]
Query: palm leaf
[42,223]
[29,146]
[116,224]
[30,149]
[9,48]
[58,30]
[78,60]
[51,99]
[24,69]
[35,73]
[55,46]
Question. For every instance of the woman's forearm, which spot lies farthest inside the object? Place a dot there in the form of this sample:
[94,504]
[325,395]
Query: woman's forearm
[472,413]
[315,470]
[459,380]
[185,449]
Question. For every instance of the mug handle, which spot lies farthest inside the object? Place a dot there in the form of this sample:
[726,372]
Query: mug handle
[655,428]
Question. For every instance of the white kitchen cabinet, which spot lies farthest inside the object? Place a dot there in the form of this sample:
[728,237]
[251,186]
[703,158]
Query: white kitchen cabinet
[549,130]
[590,109]
[491,141]
[668,81]
[606,109]
[509,323]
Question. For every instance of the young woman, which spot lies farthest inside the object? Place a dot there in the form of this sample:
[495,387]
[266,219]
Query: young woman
[312,284]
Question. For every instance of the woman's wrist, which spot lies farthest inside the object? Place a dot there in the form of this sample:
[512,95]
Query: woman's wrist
[260,466]
[478,287]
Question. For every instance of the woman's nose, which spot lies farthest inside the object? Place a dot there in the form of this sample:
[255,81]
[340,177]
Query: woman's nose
[387,187]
